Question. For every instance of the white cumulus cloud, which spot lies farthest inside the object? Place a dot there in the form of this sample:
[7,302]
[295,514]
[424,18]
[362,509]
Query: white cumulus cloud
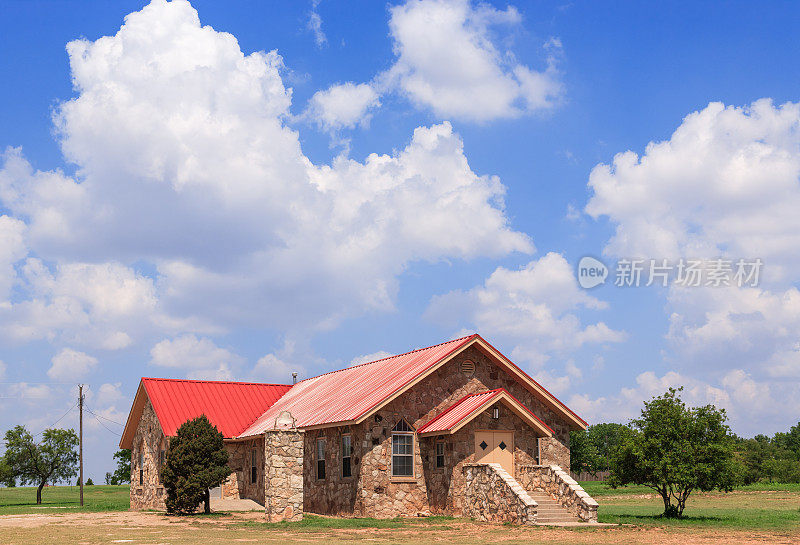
[448,62]
[199,356]
[534,309]
[343,105]
[70,364]
[186,167]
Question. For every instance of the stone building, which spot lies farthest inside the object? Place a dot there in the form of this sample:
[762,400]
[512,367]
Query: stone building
[454,428]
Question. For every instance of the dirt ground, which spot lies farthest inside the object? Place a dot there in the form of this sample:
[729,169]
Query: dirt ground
[153,529]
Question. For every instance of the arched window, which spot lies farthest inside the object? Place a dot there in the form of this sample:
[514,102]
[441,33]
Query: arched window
[402,450]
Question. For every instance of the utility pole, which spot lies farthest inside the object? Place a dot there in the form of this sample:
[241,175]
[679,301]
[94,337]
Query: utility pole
[80,405]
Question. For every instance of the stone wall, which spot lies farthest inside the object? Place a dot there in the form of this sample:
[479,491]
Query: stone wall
[147,491]
[553,452]
[283,485]
[239,484]
[559,485]
[371,491]
[492,495]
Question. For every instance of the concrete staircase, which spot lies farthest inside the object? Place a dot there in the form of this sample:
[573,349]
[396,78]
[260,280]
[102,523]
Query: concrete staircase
[549,511]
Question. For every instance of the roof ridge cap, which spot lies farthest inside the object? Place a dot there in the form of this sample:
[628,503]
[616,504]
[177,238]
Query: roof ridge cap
[215,381]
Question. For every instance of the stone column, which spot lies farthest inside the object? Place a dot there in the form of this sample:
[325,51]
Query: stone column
[283,475]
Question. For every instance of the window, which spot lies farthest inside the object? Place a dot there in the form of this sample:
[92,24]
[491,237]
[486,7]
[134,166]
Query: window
[440,454]
[141,464]
[347,453]
[321,458]
[253,466]
[402,450]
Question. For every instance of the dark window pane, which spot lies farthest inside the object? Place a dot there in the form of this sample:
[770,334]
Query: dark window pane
[346,467]
[321,469]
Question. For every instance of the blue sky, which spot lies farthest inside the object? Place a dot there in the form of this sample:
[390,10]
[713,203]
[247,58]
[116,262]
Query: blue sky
[175,203]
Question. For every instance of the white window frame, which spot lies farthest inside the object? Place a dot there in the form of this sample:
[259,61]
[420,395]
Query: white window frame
[319,456]
[405,431]
[347,454]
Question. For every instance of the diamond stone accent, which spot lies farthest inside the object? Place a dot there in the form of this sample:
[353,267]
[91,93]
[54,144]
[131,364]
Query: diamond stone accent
[483,445]
[502,445]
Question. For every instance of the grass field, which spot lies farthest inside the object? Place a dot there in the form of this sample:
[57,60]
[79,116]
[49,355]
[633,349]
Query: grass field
[756,514]
[22,499]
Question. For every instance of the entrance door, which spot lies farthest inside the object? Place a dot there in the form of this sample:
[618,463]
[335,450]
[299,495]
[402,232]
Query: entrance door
[495,447]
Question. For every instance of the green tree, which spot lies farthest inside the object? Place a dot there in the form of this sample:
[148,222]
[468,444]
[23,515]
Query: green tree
[123,472]
[196,461]
[583,454]
[54,459]
[6,474]
[89,482]
[676,450]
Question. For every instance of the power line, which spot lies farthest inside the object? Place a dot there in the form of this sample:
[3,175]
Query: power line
[101,423]
[104,418]
[56,422]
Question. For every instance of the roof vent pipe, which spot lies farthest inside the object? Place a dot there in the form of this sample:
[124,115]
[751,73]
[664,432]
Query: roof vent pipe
[294,378]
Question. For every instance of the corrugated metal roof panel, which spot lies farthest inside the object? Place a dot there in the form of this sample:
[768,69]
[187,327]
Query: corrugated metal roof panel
[230,406]
[346,395]
[459,410]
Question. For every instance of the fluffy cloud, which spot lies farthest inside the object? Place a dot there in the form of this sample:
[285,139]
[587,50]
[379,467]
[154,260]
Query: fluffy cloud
[448,62]
[70,364]
[186,168]
[97,305]
[342,106]
[12,249]
[199,356]
[366,358]
[750,403]
[533,309]
[726,183]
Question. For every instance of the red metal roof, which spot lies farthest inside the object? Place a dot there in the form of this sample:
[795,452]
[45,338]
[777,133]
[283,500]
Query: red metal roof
[346,395]
[458,411]
[469,406]
[230,406]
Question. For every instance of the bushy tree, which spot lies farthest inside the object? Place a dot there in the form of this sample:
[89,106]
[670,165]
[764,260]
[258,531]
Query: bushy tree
[54,459]
[6,474]
[196,461]
[89,482]
[593,449]
[675,450]
[123,472]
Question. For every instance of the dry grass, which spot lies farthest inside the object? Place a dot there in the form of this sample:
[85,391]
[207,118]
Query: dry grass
[744,516]
[153,528]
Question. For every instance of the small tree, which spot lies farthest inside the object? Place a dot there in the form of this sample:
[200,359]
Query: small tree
[123,472]
[89,482]
[109,478]
[54,459]
[675,450]
[196,461]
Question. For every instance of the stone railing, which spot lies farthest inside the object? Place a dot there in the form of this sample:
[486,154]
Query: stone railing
[563,488]
[492,495]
